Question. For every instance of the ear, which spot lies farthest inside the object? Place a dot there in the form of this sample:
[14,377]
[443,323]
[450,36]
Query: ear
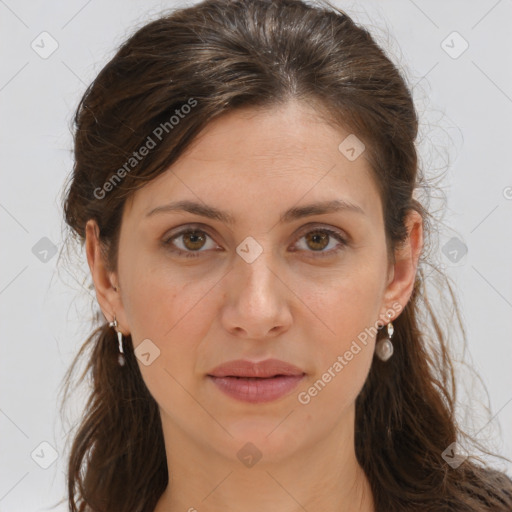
[107,291]
[402,274]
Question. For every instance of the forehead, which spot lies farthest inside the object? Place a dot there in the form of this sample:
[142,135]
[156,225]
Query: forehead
[266,157]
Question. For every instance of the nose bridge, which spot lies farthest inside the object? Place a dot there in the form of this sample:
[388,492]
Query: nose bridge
[256,293]
[254,266]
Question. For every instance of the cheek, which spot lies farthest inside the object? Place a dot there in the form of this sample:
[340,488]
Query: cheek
[345,331]
[175,315]
[161,301]
[343,360]
[344,307]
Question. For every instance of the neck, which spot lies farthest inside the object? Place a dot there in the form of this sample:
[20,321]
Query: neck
[323,476]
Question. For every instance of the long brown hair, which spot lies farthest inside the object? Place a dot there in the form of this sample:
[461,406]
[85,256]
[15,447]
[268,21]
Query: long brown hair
[217,56]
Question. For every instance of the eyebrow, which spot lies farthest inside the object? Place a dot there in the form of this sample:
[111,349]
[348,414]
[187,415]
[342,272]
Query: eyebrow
[294,213]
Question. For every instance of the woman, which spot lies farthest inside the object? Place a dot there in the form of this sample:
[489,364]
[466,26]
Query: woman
[244,186]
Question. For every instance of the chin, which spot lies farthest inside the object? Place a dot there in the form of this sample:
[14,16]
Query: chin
[270,437]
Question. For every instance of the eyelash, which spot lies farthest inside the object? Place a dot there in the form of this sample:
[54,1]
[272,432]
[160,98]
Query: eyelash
[194,254]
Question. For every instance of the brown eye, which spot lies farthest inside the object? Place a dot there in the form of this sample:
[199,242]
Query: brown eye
[194,240]
[318,240]
[189,243]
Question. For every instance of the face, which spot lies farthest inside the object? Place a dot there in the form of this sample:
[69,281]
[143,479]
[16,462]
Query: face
[273,278]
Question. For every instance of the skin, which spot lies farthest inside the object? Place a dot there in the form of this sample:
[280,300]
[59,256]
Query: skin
[290,303]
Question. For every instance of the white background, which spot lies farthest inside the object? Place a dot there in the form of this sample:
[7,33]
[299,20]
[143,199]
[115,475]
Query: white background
[465,105]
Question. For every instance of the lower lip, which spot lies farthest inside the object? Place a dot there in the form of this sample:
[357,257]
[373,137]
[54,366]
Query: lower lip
[257,390]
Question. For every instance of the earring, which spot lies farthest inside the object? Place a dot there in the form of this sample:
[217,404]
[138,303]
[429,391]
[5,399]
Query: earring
[120,357]
[384,347]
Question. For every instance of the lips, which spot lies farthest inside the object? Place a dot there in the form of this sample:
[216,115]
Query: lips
[263,369]
[264,381]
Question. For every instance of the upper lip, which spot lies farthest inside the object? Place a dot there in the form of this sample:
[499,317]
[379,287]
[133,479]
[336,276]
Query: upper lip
[244,368]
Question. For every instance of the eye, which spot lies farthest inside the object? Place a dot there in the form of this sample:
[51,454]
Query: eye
[189,242]
[319,238]
[192,241]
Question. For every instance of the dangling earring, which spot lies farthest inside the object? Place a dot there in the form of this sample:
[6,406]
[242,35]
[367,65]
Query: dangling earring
[120,357]
[384,347]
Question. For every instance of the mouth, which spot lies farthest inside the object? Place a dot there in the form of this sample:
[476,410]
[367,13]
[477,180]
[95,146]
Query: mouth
[256,389]
[269,368]
[251,378]
[256,381]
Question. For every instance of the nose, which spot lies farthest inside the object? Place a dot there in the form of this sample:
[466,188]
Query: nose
[256,299]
